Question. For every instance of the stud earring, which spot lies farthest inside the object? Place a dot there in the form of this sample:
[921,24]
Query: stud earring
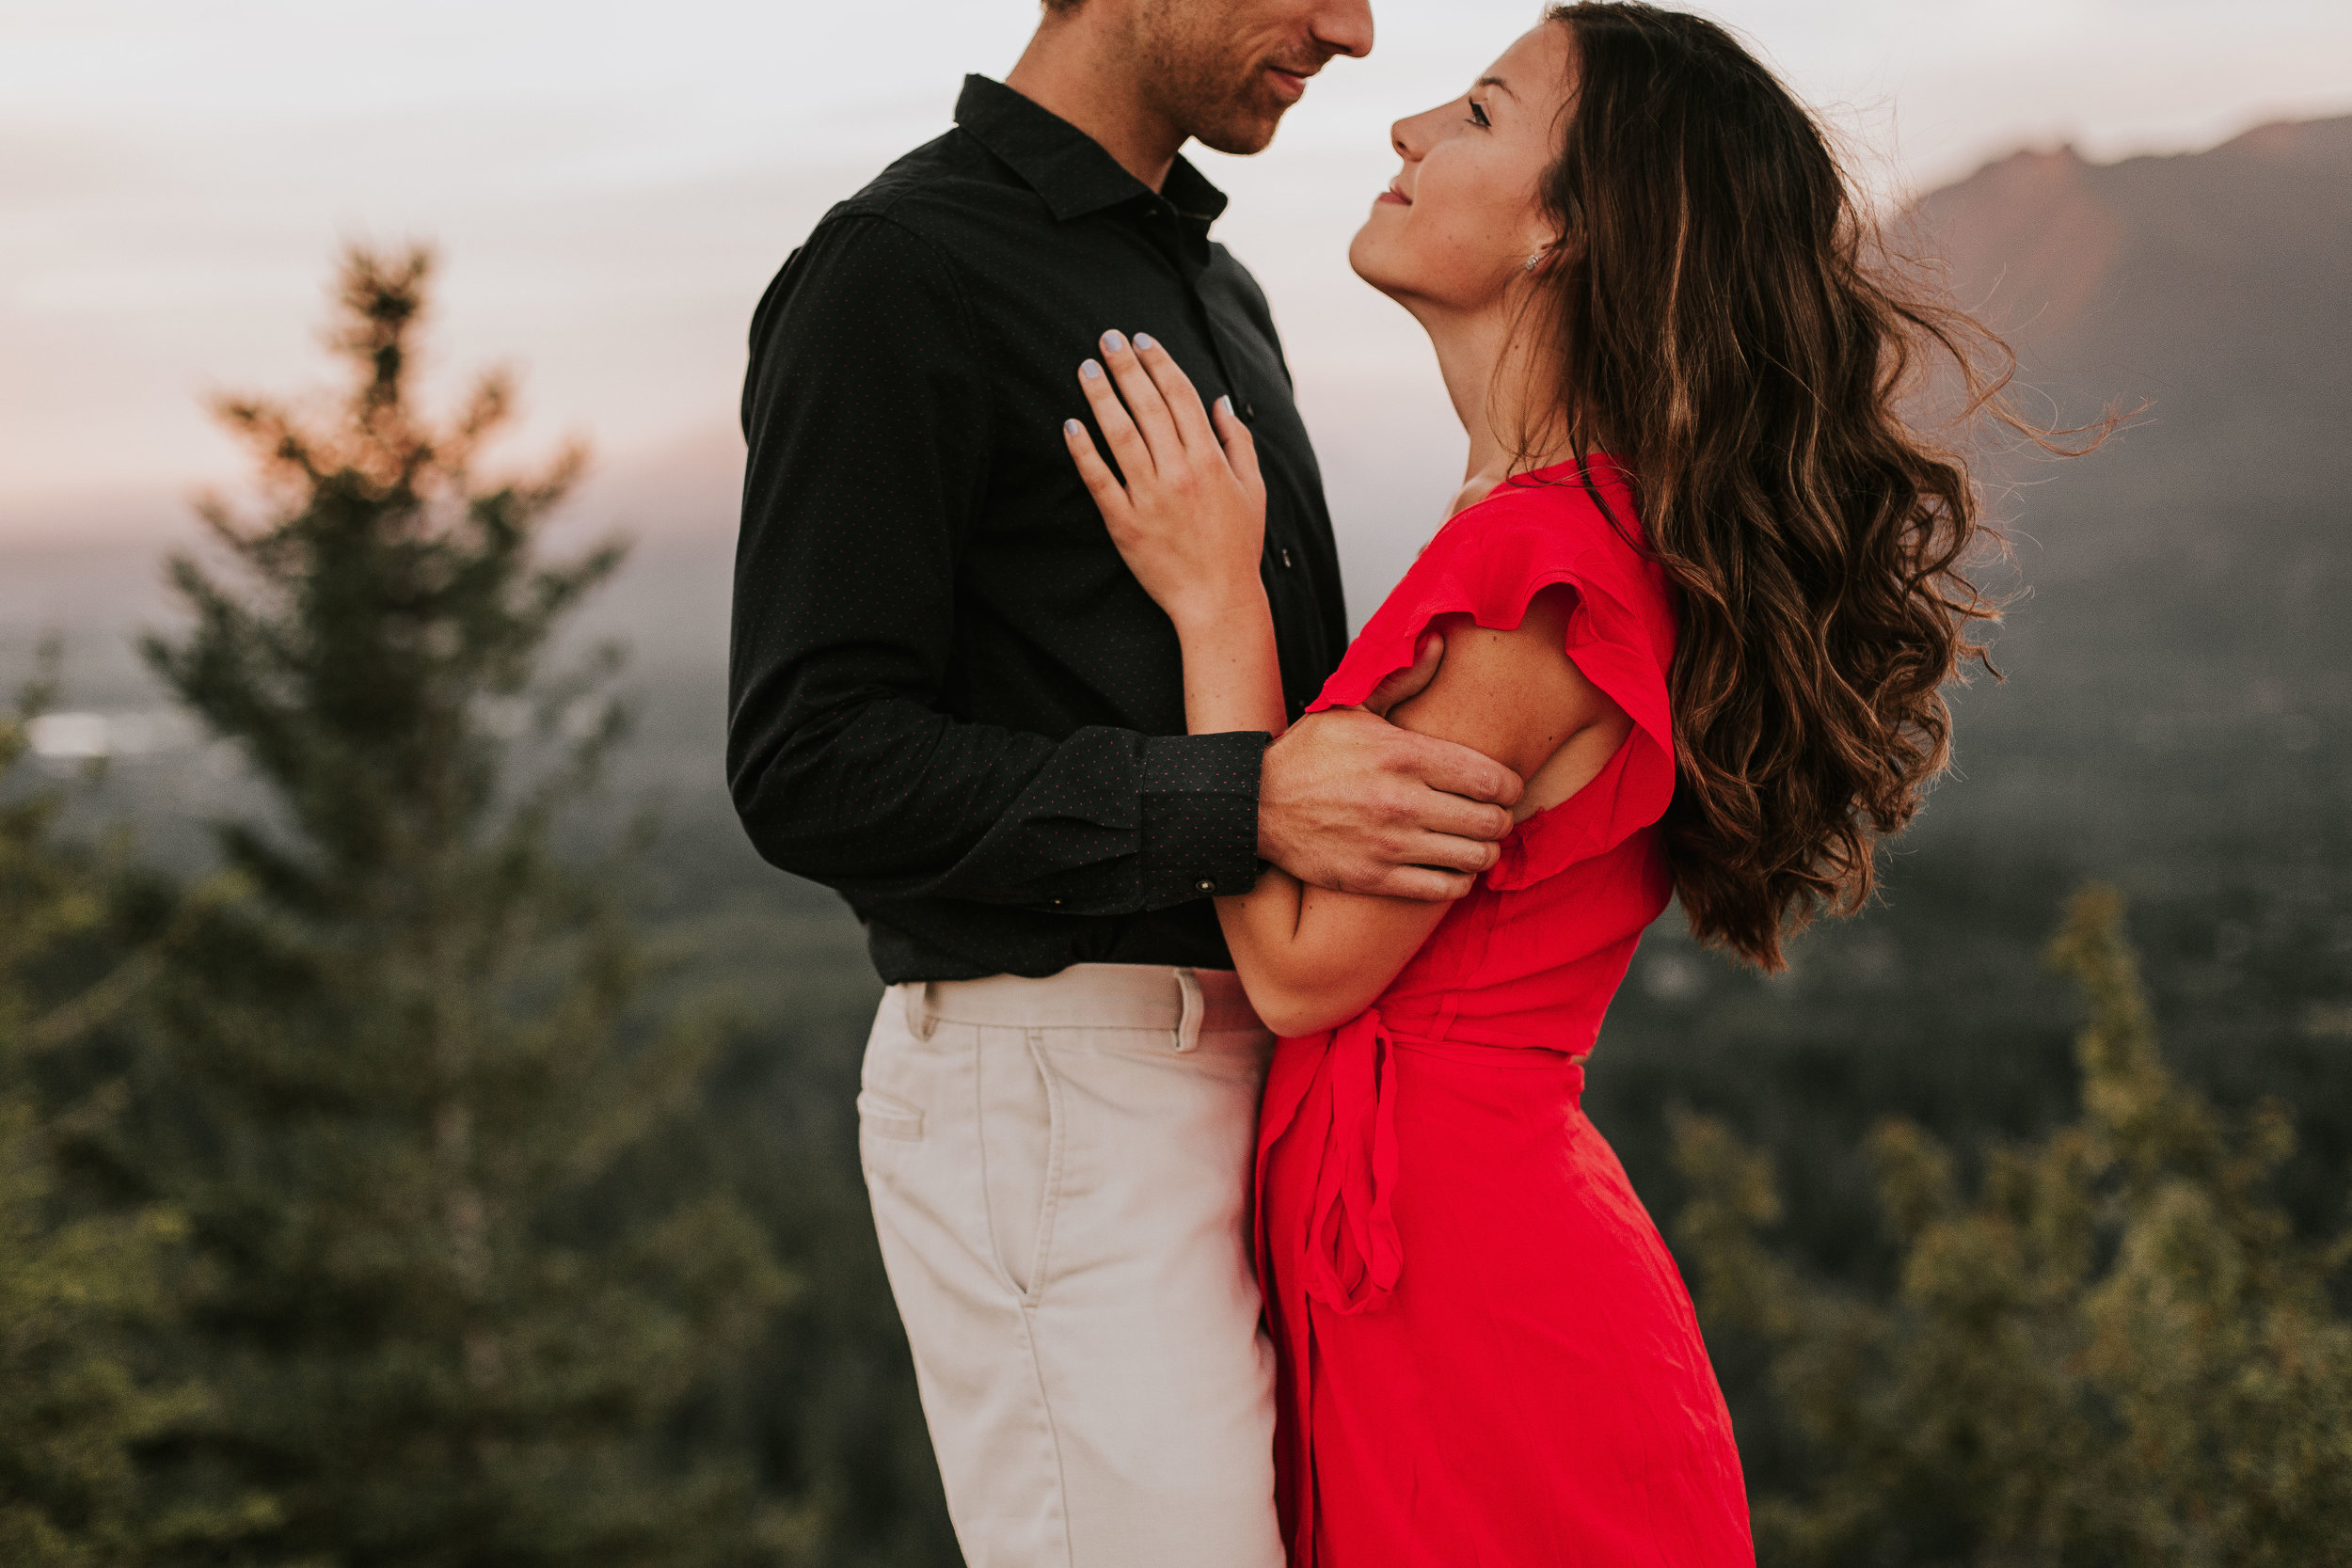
[1533,262]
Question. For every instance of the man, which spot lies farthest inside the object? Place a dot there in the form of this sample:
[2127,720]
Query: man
[952,703]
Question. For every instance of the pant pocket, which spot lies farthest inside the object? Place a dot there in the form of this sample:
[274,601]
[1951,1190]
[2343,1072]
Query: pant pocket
[880,1117]
[1021,1127]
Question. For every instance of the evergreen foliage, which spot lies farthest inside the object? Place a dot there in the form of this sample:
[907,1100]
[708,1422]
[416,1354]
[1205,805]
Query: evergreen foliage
[2114,1351]
[396,1089]
[84,1294]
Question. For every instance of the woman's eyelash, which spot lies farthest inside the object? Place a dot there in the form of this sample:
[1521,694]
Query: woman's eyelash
[1478,114]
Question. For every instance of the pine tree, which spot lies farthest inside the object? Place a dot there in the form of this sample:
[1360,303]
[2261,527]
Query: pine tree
[2116,1351]
[86,1290]
[396,1089]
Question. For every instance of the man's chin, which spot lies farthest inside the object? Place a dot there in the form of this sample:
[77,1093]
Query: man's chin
[1240,135]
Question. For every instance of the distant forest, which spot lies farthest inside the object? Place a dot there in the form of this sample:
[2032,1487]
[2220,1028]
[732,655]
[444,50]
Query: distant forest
[427,1131]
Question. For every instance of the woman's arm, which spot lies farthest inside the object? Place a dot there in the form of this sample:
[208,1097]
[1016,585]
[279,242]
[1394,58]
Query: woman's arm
[1189,521]
[1311,957]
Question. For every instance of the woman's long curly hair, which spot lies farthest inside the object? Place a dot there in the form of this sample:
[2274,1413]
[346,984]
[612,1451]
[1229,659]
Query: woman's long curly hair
[1726,324]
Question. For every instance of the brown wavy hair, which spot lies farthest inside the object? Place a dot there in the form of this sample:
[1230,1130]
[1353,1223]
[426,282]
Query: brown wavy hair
[1734,331]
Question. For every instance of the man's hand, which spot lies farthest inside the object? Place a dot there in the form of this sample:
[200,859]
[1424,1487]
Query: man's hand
[1350,801]
[1409,682]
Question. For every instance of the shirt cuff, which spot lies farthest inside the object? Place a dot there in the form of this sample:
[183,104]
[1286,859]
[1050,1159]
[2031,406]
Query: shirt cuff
[1200,815]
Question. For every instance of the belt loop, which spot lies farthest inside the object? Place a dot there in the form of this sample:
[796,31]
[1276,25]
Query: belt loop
[918,1003]
[1189,1023]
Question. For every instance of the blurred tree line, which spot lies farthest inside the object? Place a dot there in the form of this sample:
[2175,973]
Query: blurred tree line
[2116,1350]
[391,1196]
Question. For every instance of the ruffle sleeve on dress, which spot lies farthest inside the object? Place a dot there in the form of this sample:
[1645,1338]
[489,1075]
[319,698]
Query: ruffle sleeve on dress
[1489,562]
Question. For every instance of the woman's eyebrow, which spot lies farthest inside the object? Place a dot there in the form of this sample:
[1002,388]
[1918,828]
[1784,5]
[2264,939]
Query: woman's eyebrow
[1496,81]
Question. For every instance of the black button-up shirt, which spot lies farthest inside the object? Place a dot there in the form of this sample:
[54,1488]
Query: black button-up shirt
[950,699]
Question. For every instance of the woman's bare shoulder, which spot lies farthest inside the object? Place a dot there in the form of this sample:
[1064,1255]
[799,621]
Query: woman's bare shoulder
[1512,692]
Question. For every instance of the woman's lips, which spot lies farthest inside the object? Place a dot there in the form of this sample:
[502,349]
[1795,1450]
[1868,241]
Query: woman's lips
[1393,194]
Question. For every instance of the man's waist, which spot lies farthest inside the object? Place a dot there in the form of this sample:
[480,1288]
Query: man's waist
[1157,997]
[915,940]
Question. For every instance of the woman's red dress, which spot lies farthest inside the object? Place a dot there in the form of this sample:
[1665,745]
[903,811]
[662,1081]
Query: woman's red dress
[1488,1357]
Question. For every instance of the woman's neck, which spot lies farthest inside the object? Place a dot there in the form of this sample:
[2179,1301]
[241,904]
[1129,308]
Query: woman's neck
[1488,371]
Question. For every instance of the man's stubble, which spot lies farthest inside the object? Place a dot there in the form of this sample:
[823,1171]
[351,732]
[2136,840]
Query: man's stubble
[1198,79]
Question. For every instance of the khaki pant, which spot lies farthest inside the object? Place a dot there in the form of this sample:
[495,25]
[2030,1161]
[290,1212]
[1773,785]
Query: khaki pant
[1061,1173]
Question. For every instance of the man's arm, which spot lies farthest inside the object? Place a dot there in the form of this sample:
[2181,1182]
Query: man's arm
[867,415]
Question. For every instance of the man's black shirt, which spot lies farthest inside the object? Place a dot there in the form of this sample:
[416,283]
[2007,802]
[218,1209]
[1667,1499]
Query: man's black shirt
[948,698]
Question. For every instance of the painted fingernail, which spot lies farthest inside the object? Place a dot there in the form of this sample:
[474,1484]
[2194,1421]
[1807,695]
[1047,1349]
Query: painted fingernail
[1090,370]
[1113,341]
[1225,404]
[1072,427]
[1143,340]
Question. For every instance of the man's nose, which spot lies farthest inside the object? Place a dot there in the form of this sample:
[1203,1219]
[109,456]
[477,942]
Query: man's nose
[1345,26]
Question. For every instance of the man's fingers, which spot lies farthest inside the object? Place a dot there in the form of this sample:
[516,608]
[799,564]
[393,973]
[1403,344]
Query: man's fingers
[1421,883]
[1435,812]
[1143,400]
[1183,400]
[1408,683]
[1448,852]
[1126,442]
[1459,770]
[1102,484]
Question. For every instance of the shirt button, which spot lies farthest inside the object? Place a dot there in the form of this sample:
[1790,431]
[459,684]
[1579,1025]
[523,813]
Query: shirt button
[1208,886]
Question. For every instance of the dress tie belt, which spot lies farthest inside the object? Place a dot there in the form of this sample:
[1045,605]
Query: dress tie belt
[1353,1252]
[1349,1259]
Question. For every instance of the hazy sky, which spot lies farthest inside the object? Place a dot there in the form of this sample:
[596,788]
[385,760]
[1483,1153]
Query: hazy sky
[613,181]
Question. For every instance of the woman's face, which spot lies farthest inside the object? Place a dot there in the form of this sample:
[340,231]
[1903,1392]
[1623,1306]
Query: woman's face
[1456,227]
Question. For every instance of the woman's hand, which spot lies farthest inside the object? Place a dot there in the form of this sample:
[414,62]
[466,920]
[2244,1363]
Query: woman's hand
[1190,520]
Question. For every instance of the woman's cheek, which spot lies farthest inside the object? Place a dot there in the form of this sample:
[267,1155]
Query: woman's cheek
[1458,250]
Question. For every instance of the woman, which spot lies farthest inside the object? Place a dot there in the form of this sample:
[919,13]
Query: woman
[1700,590]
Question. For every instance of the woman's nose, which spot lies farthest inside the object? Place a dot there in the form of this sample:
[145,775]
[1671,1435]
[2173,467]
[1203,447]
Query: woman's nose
[1413,135]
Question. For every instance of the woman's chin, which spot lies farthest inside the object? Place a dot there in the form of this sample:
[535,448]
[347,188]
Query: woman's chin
[1366,259]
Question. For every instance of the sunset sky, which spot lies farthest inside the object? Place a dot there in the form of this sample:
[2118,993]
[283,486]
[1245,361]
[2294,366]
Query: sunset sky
[613,182]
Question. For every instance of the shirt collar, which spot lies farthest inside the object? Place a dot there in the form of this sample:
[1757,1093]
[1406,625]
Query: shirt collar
[1065,165]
